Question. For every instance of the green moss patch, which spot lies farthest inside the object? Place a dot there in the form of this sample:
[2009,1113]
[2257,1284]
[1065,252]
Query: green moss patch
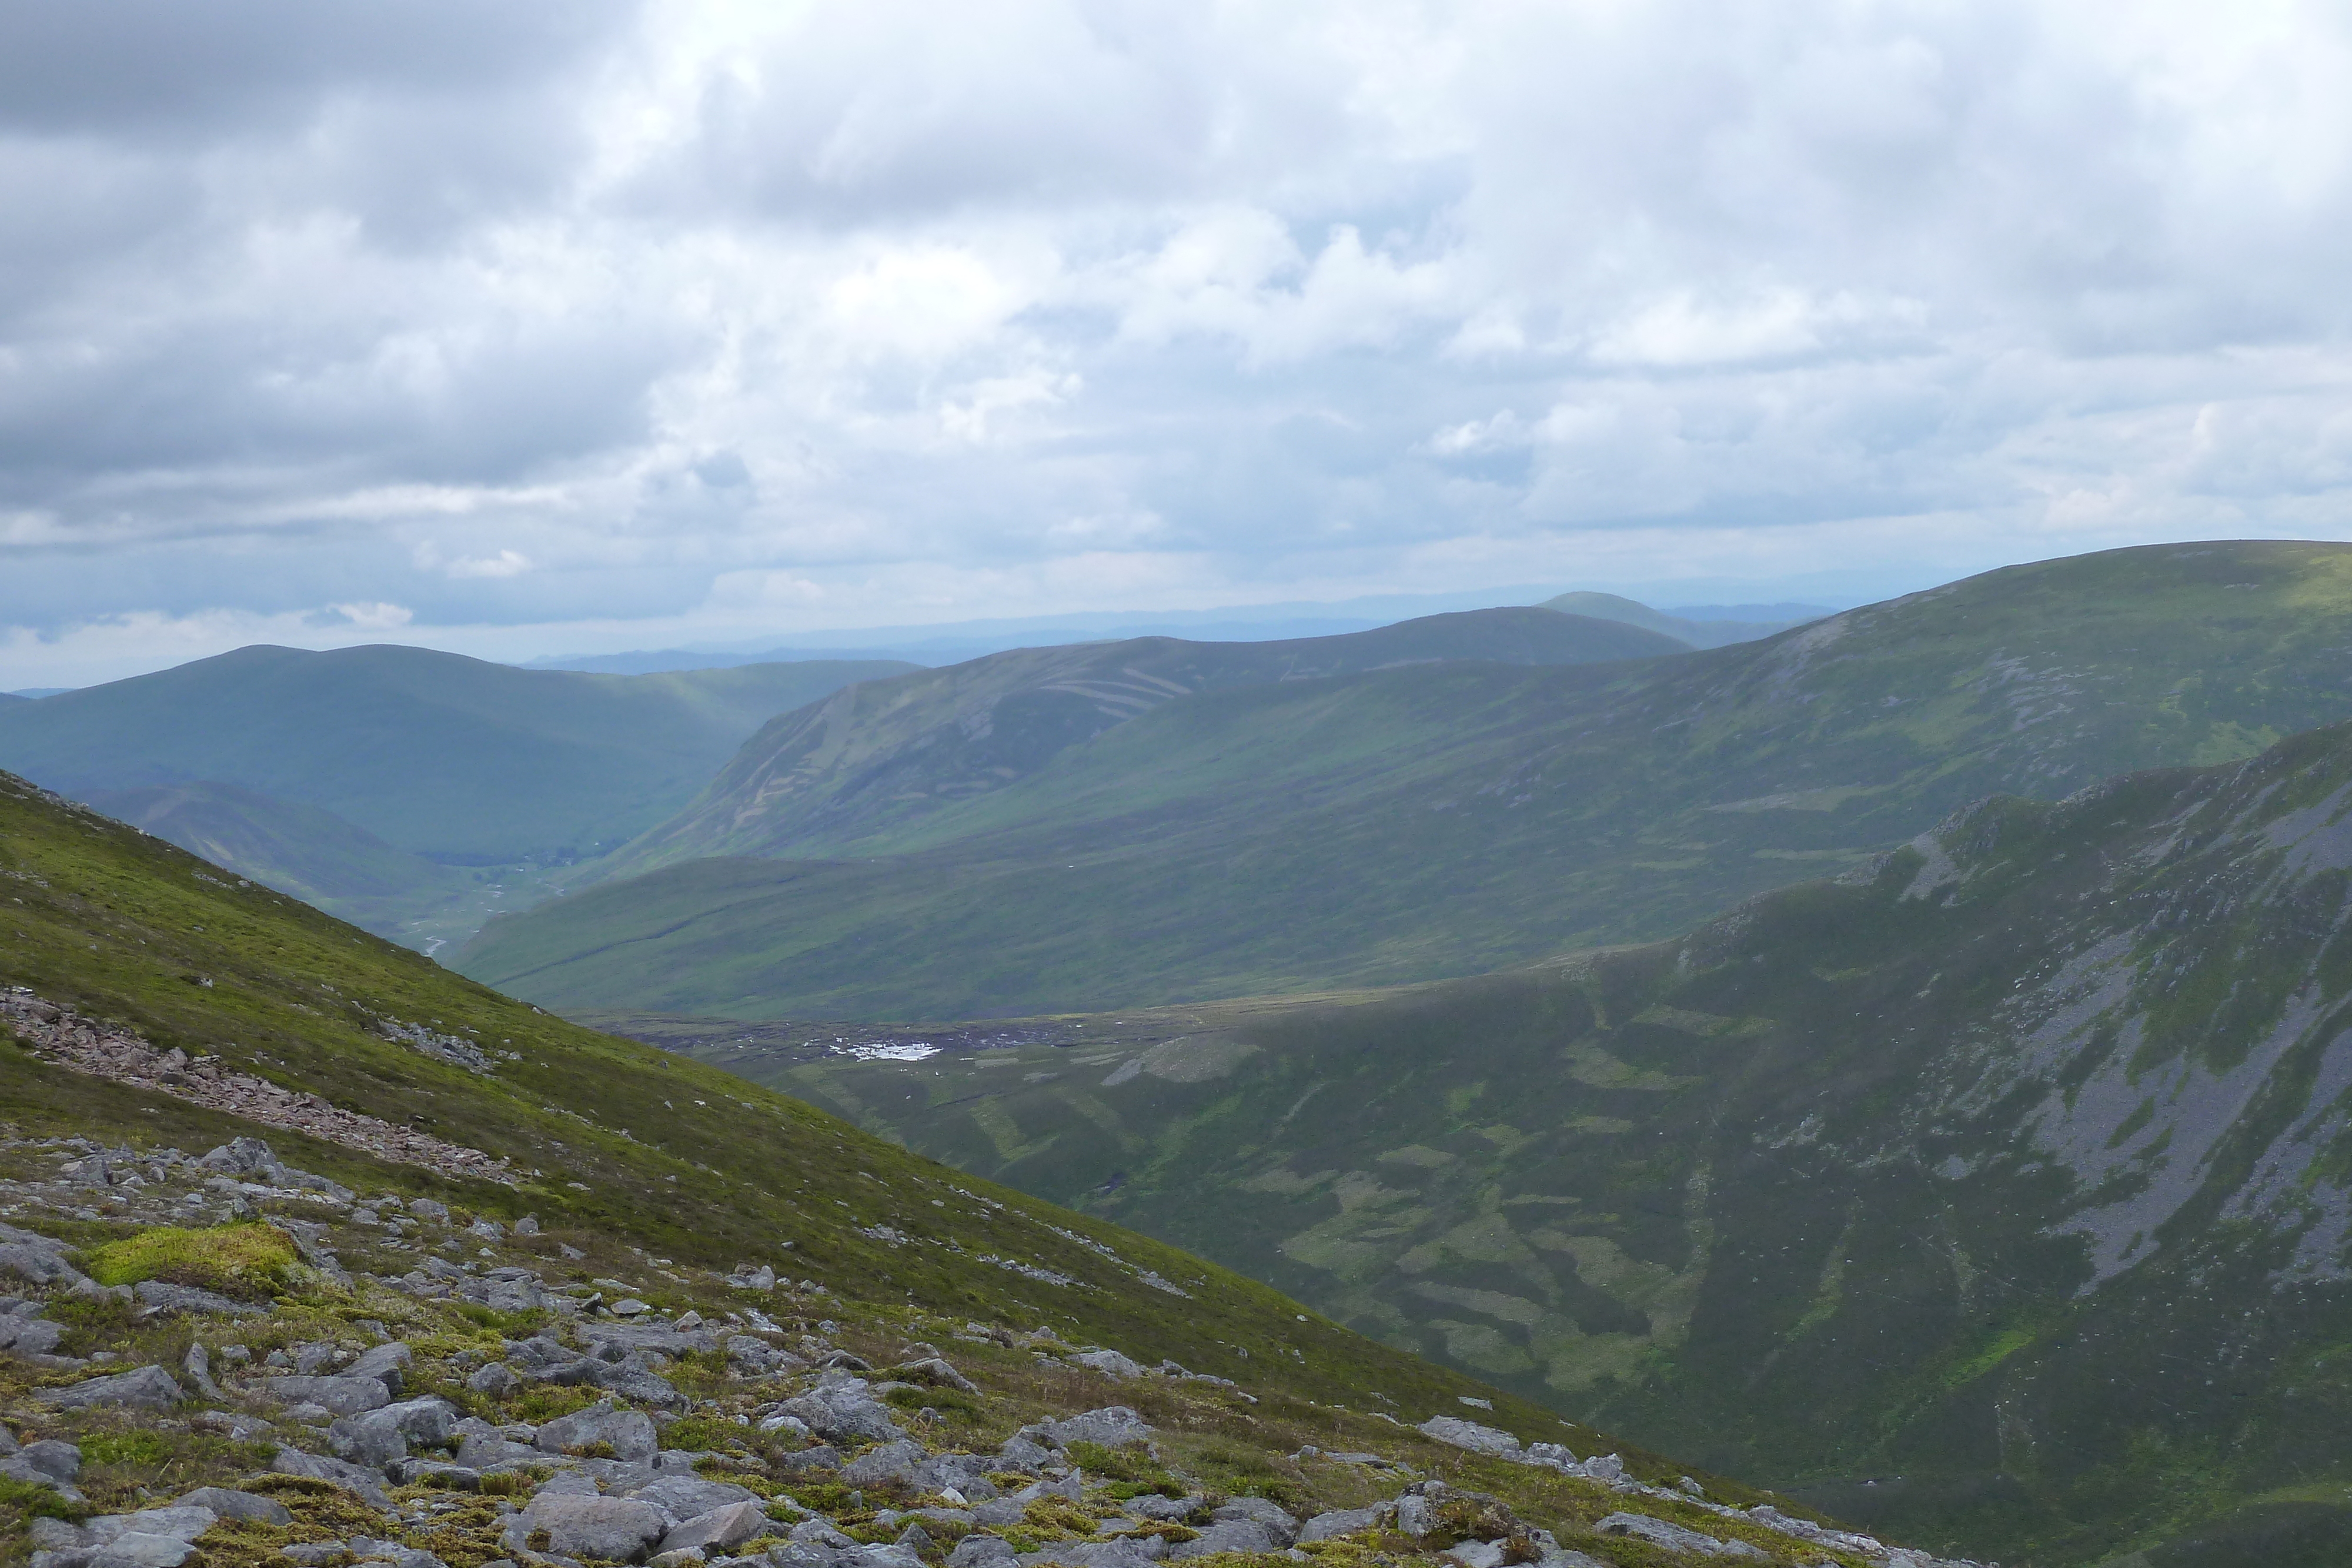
[243,1259]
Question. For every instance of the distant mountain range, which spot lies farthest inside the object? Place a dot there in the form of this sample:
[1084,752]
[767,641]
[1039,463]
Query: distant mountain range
[1412,823]
[2013,1168]
[884,755]
[408,790]
[1700,626]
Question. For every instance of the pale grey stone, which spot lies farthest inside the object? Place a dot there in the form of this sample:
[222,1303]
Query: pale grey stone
[890,1462]
[601,1529]
[629,1433]
[359,1479]
[1226,1535]
[144,1388]
[727,1525]
[1277,1521]
[975,1550]
[344,1395]
[1673,1537]
[181,1521]
[138,1550]
[387,1364]
[1340,1521]
[1470,1435]
[232,1504]
[689,1496]
[1113,1426]
[497,1380]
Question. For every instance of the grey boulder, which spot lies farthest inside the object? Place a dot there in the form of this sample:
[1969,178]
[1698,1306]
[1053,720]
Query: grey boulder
[1673,1537]
[1092,1554]
[358,1479]
[628,1433]
[596,1528]
[387,1364]
[344,1395]
[30,1336]
[165,1297]
[890,1462]
[718,1529]
[1226,1535]
[1340,1521]
[974,1550]
[1277,1522]
[231,1504]
[382,1436]
[181,1521]
[146,1388]
[1470,1435]
[1113,1426]
[844,1409]
[689,1496]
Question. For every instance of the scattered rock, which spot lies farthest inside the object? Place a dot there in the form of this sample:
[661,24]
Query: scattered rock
[596,1528]
[629,1434]
[1110,1363]
[1341,1522]
[1673,1537]
[973,1551]
[147,1388]
[337,1395]
[49,1463]
[230,1504]
[497,1380]
[721,1528]
[1113,1426]
[367,1483]
[165,1297]
[387,1364]
[1469,1435]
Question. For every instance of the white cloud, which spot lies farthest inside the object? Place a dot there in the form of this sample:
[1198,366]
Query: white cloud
[688,310]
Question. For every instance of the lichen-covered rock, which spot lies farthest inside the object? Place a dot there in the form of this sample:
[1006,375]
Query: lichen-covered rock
[890,1462]
[144,1388]
[1470,1435]
[718,1529]
[339,1395]
[844,1409]
[359,1479]
[594,1529]
[233,1504]
[627,1434]
[1112,1427]
[1673,1537]
[1341,1522]
[689,1496]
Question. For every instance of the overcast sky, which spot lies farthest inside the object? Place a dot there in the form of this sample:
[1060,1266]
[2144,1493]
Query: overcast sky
[528,327]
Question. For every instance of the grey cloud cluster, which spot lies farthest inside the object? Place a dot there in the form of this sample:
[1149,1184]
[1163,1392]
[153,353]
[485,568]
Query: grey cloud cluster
[677,318]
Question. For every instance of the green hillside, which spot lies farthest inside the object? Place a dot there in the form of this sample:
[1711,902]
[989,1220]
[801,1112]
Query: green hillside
[2009,1173]
[1681,628]
[438,754]
[313,855]
[1449,819]
[886,756]
[595,1156]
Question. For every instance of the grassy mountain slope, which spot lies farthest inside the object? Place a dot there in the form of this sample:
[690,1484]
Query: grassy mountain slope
[438,754]
[313,855]
[1421,822]
[613,1148]
[880,757]
[1681,628]
[1998,1193]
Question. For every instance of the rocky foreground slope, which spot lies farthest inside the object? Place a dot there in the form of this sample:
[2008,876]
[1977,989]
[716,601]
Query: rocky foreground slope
[320,1255]
[426,1389]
